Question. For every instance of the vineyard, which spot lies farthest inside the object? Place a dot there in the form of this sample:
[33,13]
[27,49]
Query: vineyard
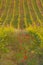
[21,32]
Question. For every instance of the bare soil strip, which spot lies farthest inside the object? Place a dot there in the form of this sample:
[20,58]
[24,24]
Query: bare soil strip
[22,22]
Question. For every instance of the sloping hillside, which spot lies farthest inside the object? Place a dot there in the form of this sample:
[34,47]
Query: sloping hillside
[21,32]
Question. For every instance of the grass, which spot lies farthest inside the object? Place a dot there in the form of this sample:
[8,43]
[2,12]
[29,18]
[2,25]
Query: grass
[20,44]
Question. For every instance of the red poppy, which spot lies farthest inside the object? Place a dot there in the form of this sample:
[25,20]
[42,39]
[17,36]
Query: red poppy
[25,57]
